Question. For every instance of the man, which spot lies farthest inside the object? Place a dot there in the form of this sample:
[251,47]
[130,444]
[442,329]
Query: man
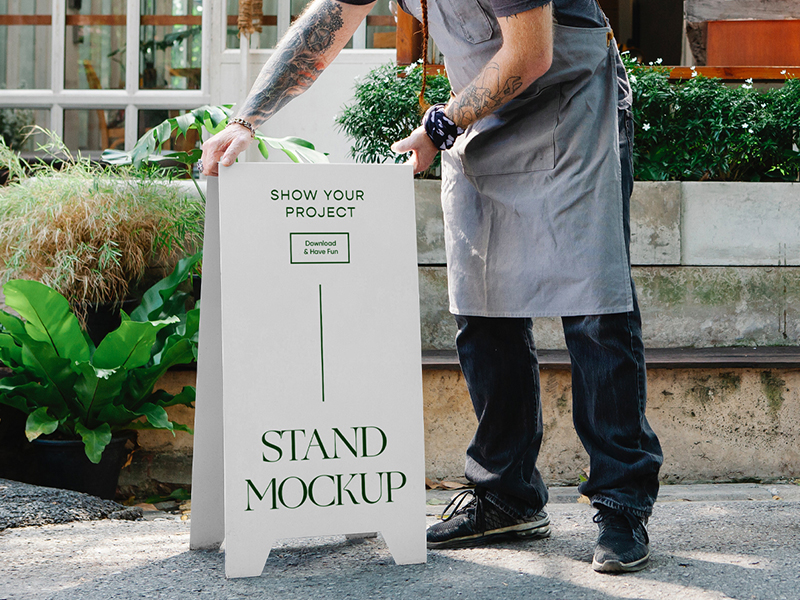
[536,179]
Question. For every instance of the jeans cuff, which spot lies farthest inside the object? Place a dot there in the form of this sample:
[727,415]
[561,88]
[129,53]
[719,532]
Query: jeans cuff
[599,500]
[518,509]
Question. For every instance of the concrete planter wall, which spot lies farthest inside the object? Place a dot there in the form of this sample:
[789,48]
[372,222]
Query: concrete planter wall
[715,264]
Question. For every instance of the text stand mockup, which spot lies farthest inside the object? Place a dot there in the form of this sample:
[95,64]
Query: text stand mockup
[321,427]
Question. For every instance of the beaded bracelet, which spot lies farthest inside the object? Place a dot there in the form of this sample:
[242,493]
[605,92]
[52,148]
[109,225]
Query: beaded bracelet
[246,124]
[440,128]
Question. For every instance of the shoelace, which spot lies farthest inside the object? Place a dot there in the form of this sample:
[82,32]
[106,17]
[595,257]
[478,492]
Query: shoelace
[464,502]
[618,519]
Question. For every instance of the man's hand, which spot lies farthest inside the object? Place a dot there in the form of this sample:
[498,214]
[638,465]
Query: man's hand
[224,147]
[421,147]
[308,47]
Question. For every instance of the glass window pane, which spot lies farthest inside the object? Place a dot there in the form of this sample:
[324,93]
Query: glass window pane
[170,44]
[267,38]
[94,45]
[91,130]
[381,26]
[16,125]
[25,44]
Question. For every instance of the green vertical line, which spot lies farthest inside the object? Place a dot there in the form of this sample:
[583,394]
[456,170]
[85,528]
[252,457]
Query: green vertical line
[321,345]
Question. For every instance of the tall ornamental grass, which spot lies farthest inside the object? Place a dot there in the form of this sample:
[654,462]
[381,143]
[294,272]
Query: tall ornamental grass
[91,233]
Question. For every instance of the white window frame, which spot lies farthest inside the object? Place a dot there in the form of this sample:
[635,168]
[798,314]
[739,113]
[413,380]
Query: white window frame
[131,99]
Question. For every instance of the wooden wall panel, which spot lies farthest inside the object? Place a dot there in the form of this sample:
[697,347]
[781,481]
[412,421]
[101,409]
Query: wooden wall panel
[754,43]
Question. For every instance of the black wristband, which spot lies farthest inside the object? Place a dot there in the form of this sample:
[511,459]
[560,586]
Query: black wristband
[440,128]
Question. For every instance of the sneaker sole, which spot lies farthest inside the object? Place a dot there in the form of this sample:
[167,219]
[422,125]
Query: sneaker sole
[615,566]
[529,531]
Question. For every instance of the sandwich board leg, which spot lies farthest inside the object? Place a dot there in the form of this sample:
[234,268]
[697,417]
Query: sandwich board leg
[406,549]
[208,514]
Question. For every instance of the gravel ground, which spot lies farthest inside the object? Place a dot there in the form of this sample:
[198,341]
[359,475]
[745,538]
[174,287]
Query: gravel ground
[709,543]
[23,505]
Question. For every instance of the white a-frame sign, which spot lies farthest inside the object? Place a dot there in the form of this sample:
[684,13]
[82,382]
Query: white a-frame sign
[320,362]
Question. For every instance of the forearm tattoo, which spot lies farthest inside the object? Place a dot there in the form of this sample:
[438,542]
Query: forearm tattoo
[297,63]
[483,95]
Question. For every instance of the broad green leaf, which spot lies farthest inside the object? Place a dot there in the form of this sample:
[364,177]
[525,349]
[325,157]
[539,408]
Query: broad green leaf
[116,157]
[129,346]
[140,383]
[48,317]
[94,440]
[154,298]
[299,142]
[10,351]
[156,416]
[296,149]
[187,158]
[163,131]
[118,416]
[213,128]
[96,388]
[184,122]
[24,394]
[55,373]
[143,148]
[163,398]
[218,115]
[14,325]
[39,423]
[262,147]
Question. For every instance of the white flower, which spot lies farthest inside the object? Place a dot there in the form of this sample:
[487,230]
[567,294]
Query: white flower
[783,72]
[749,80]
[646,127]
[633,78]
[659,61]
[750,131]
[763,106]
[745,126]
[694,72]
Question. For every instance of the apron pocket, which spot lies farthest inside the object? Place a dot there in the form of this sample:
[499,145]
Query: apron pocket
[519,138]
[471,17]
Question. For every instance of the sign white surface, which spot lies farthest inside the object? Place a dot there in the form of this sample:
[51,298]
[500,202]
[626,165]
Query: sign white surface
[322,381]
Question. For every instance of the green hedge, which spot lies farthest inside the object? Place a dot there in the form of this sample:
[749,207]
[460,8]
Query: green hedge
[695,130]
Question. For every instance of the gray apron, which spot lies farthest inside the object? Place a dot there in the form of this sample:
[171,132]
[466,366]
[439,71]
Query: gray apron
[531,194]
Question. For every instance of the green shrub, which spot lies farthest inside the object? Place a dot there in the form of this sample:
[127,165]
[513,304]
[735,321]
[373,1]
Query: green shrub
[705,130]
[386,109]
[696,130]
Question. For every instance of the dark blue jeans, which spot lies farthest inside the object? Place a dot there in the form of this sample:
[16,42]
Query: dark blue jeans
[609,392]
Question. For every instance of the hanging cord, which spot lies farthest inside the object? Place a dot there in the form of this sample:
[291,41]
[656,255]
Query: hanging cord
[249,20]
[423,105]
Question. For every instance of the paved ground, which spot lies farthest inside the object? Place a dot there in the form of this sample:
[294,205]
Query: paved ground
[709,543]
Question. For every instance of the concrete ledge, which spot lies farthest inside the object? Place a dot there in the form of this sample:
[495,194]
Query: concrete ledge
[770,357]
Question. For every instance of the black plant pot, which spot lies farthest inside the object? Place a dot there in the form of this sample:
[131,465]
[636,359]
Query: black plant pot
[63,464]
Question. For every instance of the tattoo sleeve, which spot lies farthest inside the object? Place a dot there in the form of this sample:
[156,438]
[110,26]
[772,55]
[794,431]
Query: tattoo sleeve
[296,64]
[483,95]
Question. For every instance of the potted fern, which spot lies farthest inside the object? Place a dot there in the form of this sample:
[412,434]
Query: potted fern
[83,402]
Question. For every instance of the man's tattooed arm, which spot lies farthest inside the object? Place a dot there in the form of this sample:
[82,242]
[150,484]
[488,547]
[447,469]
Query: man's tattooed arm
[526,55]
[308,47]
[484,95]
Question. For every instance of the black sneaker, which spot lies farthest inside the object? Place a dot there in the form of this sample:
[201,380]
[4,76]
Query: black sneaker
[475,520]
[623,544]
